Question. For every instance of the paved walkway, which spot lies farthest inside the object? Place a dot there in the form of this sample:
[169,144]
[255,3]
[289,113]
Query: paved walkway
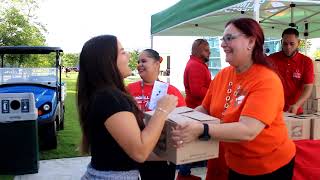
[72,169]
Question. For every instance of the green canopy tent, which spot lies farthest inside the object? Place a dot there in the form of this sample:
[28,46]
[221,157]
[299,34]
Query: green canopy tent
[208,17]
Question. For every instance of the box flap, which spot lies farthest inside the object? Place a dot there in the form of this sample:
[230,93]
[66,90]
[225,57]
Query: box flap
[184,114]
[317,114]
[179,119]
[198,116]
[287,114]
[180,110]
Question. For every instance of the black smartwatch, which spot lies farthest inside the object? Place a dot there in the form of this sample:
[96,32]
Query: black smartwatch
[205,136]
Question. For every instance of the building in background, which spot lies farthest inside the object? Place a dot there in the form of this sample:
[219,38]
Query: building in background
[272,45]
[215,60]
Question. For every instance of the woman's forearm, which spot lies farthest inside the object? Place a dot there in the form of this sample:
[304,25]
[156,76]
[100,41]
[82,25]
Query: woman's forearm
[152,131]
[245,130]
[230,132]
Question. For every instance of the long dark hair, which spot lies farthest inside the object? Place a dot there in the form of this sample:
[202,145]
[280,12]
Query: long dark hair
[251,28]
[99,71]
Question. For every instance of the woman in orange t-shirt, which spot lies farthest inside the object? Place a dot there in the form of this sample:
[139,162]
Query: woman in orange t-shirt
[248,99]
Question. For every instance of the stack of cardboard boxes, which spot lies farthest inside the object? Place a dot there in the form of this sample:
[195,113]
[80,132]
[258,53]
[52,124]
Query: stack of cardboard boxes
[307,126]
[302,127]
[312,105]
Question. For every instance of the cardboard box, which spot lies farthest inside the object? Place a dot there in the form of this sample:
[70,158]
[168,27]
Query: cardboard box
[298,126]
[287,114]
[309,111]
[315,92]
[310,104]
[305,106]
[191,152]
[316,65]
[317,78]
[315,127]
[316,105]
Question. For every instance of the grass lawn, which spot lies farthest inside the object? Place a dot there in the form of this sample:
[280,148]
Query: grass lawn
[69,138]
[5,177]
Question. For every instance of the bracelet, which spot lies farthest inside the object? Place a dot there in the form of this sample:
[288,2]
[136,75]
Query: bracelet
[160,109]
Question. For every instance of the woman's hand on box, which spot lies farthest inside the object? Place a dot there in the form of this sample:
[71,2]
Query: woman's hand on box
[186,133]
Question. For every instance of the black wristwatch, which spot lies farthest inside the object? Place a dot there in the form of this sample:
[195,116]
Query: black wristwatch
[205,136]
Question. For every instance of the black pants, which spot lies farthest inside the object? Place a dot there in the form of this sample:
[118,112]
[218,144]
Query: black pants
[153,170]
[283,173]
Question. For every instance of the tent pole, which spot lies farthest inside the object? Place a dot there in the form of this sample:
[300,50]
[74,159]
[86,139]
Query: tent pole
[2,57]
[256,10]
[305,45]
[292,14]
[306,34]
[151,41]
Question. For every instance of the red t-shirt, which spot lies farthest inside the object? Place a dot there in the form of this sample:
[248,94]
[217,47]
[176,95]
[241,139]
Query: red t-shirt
[196,81]
[142,94]
[256,93]
[294,73]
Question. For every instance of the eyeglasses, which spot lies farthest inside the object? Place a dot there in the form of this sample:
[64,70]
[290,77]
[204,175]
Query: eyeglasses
[229,37]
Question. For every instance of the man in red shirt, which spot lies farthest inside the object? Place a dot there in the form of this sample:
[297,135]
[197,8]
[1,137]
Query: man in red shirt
[196,80]
[197,76]
[295,71]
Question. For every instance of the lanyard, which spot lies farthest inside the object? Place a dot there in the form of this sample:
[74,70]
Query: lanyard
[144,103]
[144,98]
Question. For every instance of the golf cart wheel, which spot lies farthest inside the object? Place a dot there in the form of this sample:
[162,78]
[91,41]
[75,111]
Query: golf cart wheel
[61,122]
[51,140]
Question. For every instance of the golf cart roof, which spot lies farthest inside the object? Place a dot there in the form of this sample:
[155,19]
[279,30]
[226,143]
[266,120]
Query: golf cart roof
[28,49]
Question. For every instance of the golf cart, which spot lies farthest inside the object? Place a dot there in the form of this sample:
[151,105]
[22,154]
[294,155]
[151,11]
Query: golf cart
[44,83]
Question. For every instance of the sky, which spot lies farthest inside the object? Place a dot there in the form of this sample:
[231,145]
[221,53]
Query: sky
[70,23]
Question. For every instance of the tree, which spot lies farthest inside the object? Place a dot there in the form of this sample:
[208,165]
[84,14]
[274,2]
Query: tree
[18,26]
[317,54]
[26,7]
[304,45]
[15,30]
[70,59]
[134,57]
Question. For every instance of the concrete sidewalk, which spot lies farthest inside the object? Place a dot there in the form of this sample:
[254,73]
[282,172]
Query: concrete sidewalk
[72,169]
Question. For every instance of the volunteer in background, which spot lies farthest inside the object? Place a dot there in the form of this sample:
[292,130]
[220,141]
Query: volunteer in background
[295,70]
[196,81]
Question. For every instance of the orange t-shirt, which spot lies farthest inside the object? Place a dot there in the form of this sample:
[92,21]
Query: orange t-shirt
[256,93]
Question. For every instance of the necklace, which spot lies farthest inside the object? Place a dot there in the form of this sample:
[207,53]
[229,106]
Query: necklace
[229,96]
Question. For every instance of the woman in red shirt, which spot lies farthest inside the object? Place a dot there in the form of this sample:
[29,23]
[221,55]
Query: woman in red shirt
[149,69]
